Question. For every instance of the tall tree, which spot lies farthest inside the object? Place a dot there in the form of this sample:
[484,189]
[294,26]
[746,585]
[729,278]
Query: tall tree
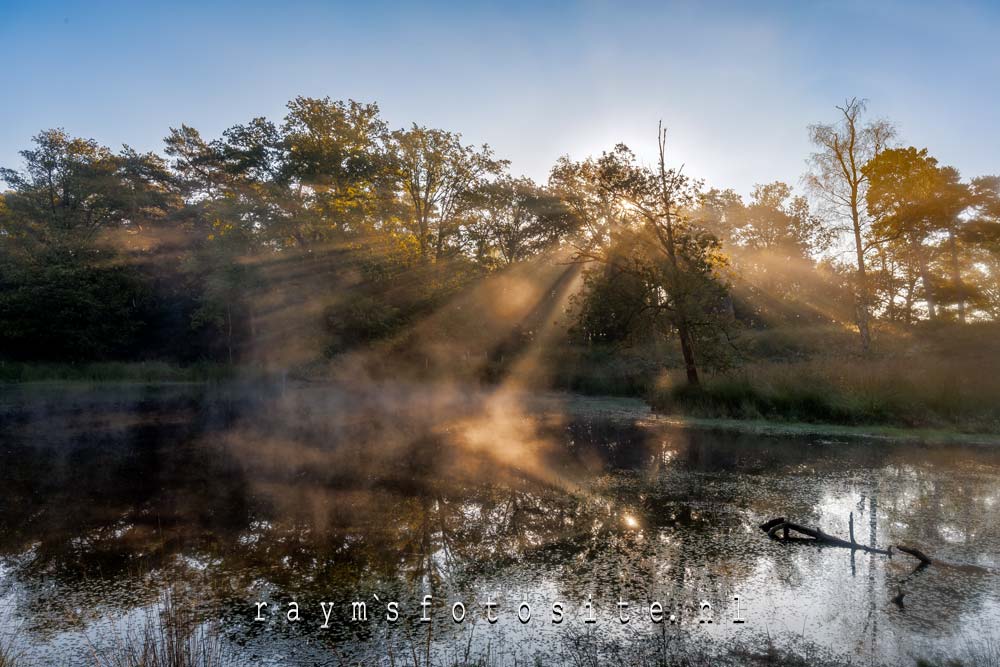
[69,187]
[772,241]
[514,219]
[838,179]
[680,261]
[913,202]
[67,293]
[438,174]
[981,234]
[336,162]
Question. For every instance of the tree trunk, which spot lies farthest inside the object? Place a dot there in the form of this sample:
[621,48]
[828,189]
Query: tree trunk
[253,333]
[928,292]
[862,295]
[687,349]
[439,243]
[229,331]
[890,288]
[424,234]
[956,275]
[910,285]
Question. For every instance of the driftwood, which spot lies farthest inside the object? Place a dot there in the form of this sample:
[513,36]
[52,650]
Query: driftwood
[782,530]
[817,536]
[916,553]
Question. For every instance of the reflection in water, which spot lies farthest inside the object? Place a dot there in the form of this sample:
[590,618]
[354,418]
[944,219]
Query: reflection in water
[319,495]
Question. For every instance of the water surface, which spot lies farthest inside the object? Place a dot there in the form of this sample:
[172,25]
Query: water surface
[115,498]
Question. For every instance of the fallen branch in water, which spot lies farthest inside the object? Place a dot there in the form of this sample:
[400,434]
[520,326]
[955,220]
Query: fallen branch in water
[916,553]
[815,535]
[781,529]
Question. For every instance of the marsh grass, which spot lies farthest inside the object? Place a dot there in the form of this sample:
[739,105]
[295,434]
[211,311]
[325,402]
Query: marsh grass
[954,394]
[945,377]
[168,636]
[974,652]
[9,655]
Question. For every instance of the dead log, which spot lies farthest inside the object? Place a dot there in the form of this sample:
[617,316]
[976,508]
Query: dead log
[916,553]
[766,526]
[814,535]
[817,536]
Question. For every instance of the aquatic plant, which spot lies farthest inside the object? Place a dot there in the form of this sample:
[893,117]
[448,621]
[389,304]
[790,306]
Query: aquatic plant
[168,636]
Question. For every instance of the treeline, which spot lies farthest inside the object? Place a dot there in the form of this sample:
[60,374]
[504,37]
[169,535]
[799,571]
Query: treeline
[344,231]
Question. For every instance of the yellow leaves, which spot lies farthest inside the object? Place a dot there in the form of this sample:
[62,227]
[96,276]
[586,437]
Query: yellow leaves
[222,228]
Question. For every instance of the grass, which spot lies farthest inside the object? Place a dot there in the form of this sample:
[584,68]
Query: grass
[9,656]
[976,652]
[945,377]
[955,394]
[169,636]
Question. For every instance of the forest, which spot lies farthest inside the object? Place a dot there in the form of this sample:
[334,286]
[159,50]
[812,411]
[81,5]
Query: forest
[868,293]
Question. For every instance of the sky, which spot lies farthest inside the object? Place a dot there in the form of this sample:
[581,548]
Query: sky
[736,84]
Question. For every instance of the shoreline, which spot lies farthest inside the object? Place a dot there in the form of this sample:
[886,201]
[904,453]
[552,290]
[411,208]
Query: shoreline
[613,408]
[635,409]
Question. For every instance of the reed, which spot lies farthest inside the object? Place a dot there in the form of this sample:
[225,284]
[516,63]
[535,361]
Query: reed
[168,636]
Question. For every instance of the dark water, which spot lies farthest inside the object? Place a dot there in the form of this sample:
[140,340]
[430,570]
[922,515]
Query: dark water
[115,500]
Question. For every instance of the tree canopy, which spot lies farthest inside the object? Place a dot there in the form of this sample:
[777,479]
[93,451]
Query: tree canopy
[345,231]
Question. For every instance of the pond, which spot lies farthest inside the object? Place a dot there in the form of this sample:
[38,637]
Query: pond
[227,504]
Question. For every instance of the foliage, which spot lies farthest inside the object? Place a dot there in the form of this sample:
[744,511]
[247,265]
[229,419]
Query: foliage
[918,208]
[516,220]
[674,265]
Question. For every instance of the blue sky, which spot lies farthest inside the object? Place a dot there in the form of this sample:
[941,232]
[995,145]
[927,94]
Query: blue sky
[736,83]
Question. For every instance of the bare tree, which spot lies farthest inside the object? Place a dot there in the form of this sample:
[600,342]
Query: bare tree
[838,180]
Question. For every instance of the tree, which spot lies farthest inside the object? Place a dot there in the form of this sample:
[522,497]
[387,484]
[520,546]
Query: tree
[65,292]
[780,222]
[913,202]
[335,160]
[438,174]
[680,262]
[981,234]
[68,189]
[514,219]
[596,212]
[838,179]
[148,189]
[898,200]
[196,165]
[771,242]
